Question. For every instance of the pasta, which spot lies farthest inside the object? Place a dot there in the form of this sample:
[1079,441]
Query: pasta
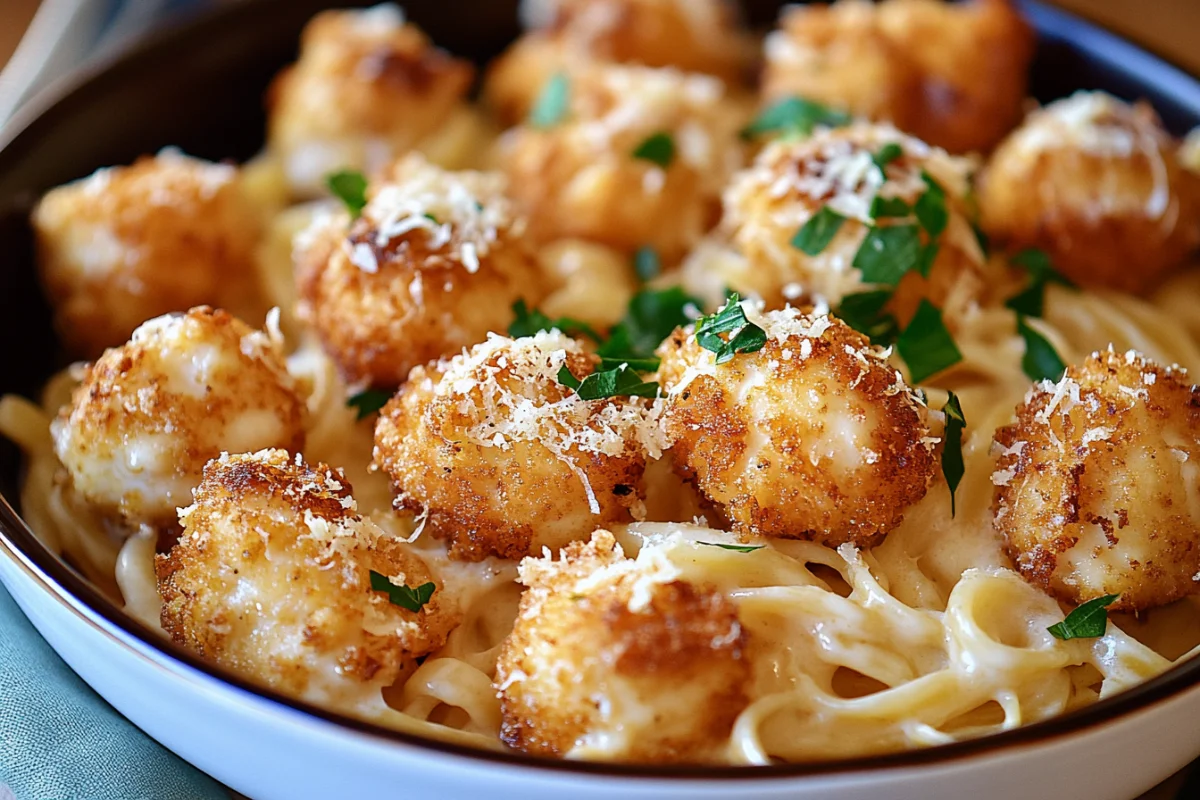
[598,557]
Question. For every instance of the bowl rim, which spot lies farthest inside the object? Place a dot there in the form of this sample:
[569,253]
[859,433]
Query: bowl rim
[55,577]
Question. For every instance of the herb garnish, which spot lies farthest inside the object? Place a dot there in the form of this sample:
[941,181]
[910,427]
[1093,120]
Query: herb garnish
[368,402]
[744,335]
[888,254]
[621,381]
[930,207]
[926,345]
[646,263]
[889,207]
[349,186]
[737,548]
[651,317]
[886,155]
[1089,621]
[794,116]
[403,596]
[863,311]
[527,322]
[1040,361]
[818,232]
[552,103]
[952,457]
[658,148]
[1030,302]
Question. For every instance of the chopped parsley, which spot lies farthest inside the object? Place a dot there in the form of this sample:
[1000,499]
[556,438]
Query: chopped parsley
[744,336]
[368,402]
[985,243]
[889,207]
[406,597]
[952,457]
[658,148]
[349,186]
[1089,621]
[1041,361]
[926,345]
[886,155]
[621,381]
[794,116]
[527,322]
[651,317]
[737,548]
[818,232]
[930,207]
[1031,300]
[888,254]
[929,253]
[552,103]
[864,312]
[647,263]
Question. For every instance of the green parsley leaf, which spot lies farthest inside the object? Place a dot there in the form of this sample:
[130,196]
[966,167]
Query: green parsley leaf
[794,116]
[886,155]
[952,457]
[619,382]
[552,103]
[1031,301]
[1089,621]
[889,207]
[931,207]
[818,232]
[658,148]
[745,336]
[651,317]
[368,402]
[403,596]
[926,345]
[527,322]
[985,243]
[1038,264]
[737,548]
[646,263]
[349,186]
[863,311]
[1040,361]
[929,253]
[887,254]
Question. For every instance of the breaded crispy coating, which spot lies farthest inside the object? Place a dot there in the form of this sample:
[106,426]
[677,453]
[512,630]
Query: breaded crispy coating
[368,87]
[433,264]
[148,415]
[271,579]
[1097,184]
[502,459]
[614,652]
[815,436]
[953,74]
[130,243]
[1096,483]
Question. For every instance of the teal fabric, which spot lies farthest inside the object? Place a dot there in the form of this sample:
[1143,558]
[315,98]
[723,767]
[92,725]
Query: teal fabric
[60,741]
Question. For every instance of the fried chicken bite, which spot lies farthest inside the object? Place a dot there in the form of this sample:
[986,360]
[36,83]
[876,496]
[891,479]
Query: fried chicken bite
[753,251]
[272,579]
[500,458]
[433,264]
[129,243]
[1096,483]
[877,61]
[148,415]
[368,87]
[1099,186]
[616,658]
[815,436]
[692,35]
[639,157]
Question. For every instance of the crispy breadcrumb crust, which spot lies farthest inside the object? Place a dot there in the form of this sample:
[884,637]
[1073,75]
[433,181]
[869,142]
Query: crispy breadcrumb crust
[877,61]
[815,436]
[148,415]
[384,299]
[1096,483]
[1098,185]
[130,243]
[271,579]
[605,649]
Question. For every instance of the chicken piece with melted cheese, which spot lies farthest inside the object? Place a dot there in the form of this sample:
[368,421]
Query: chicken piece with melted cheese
[130,243]
[815,436]
[433,264]
[1096,487]
[502,459]
[638,158]
[954,74]
[692,35]
[616,658]
[834,170]
[271,579]
[368,87]
[148,415]
[1099,186]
